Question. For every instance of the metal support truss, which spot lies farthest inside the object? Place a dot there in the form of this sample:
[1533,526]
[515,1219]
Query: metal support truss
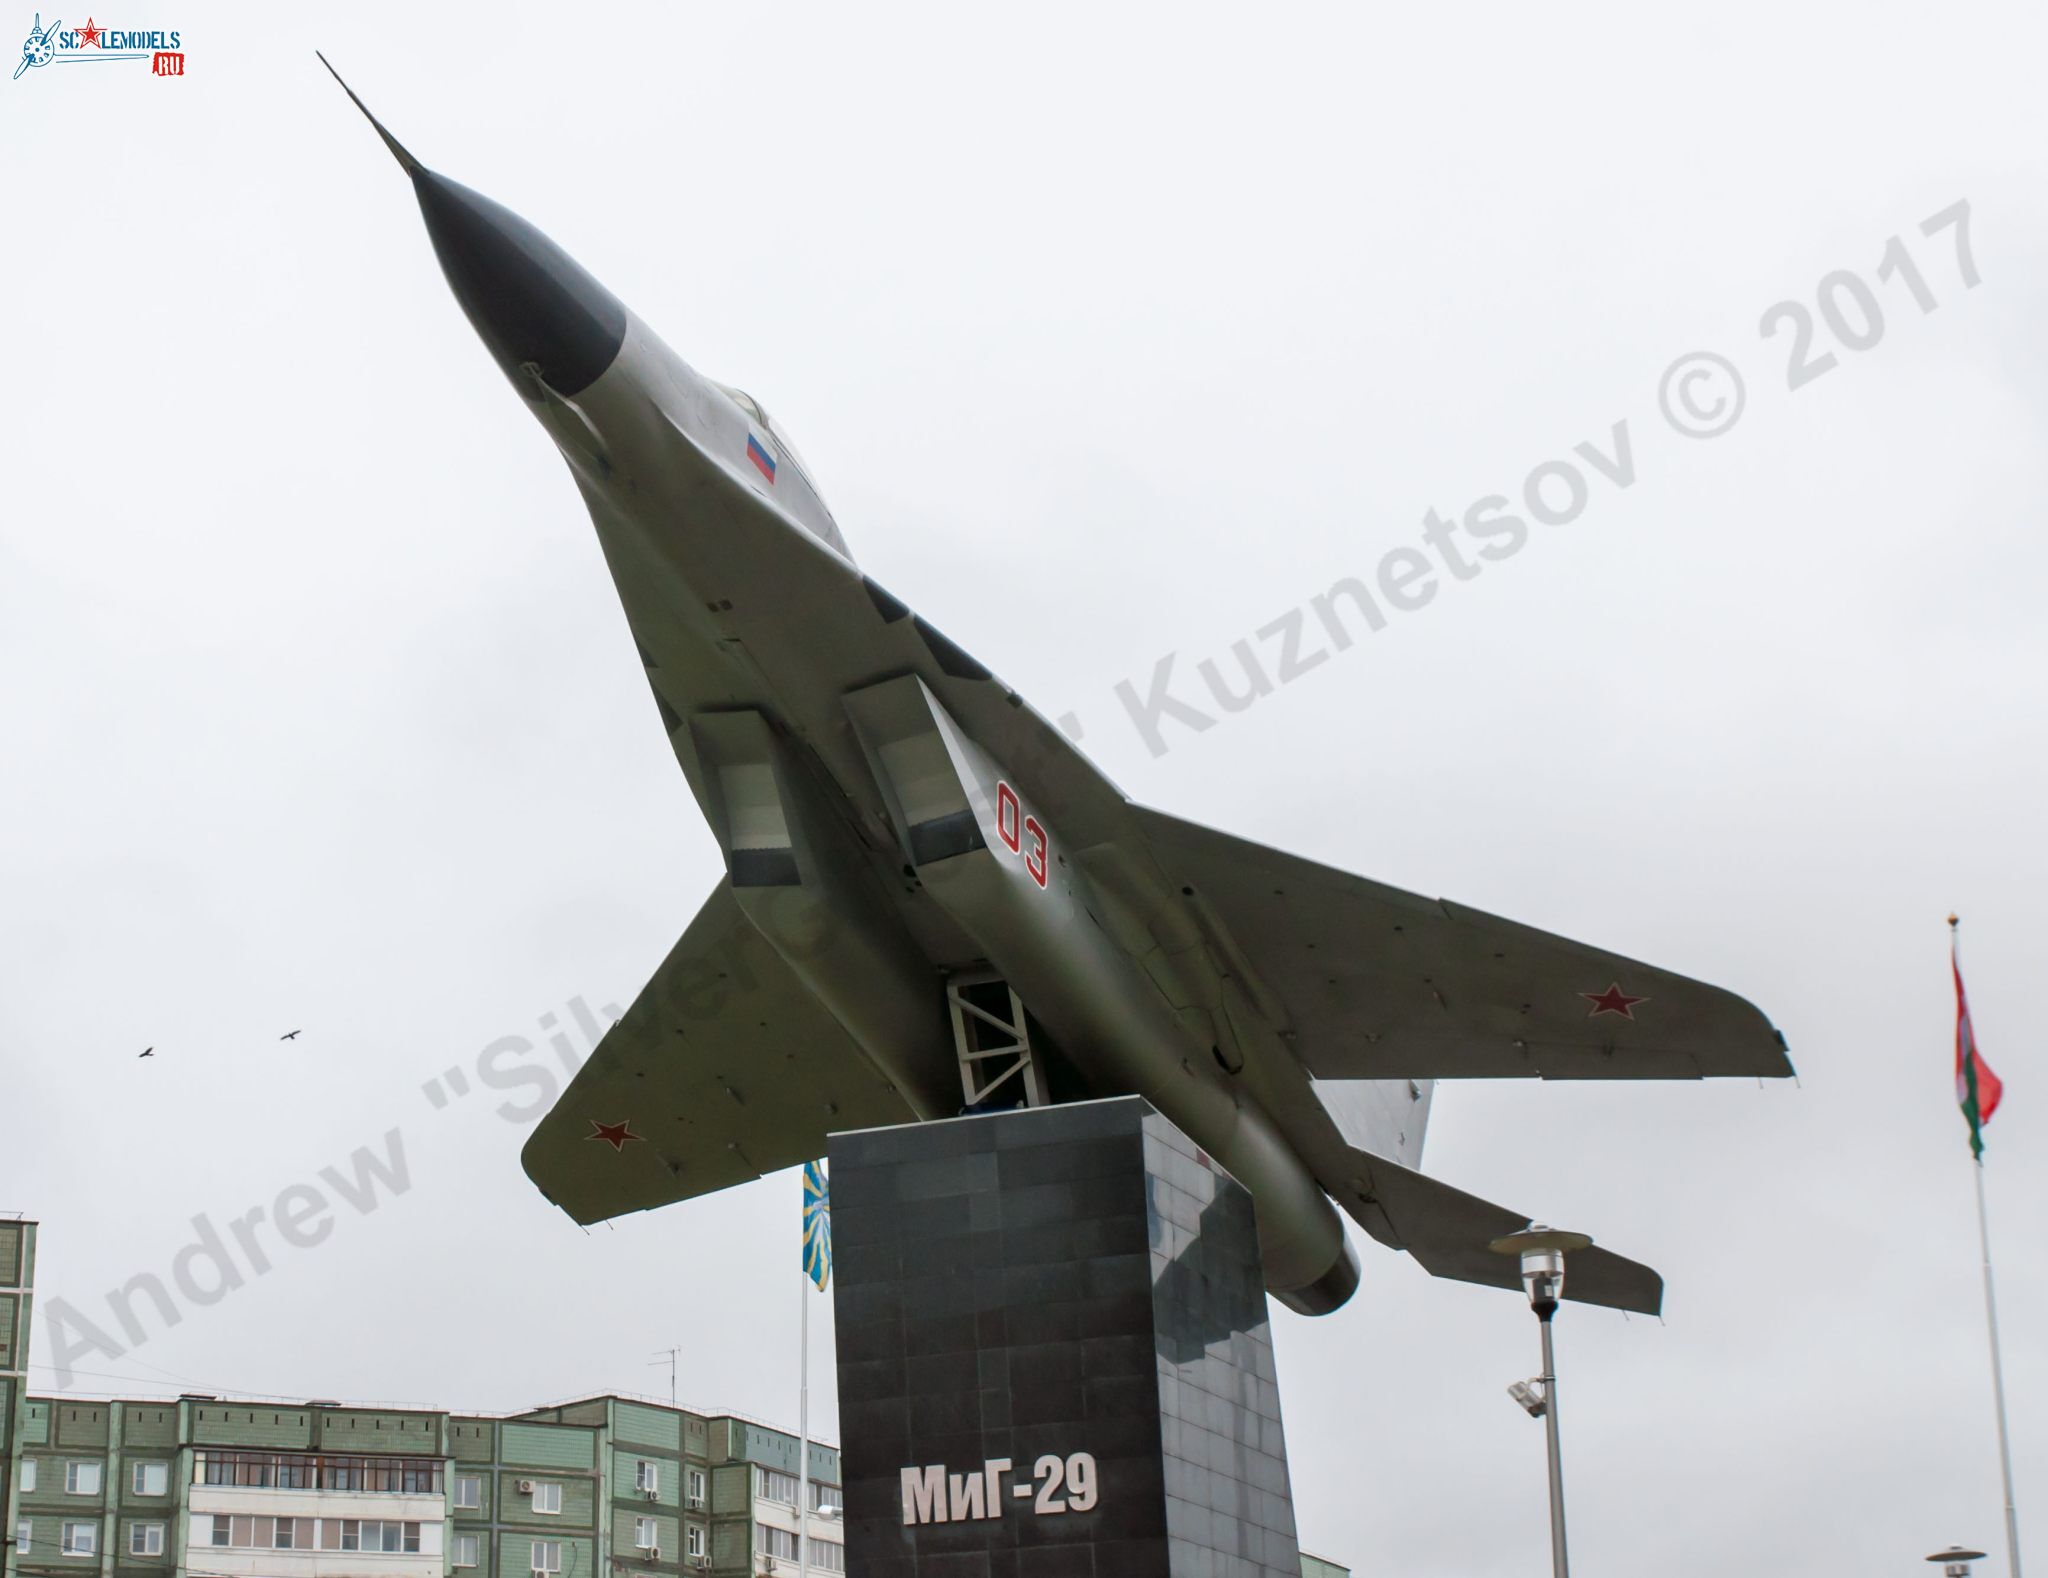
[992,1040]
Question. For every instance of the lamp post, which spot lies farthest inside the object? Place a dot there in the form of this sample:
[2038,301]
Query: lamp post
[1955,1561]
[1541,1251]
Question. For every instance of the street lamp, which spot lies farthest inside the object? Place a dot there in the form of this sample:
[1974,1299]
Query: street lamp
[1542,1250]
[1955,1561]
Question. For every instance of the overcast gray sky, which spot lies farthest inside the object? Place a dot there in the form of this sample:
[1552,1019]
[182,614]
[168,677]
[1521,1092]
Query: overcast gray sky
[1109,333]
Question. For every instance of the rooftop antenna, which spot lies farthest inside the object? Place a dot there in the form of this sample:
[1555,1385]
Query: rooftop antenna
[670,1355]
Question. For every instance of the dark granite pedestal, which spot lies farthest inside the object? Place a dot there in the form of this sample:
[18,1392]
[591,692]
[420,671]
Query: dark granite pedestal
[1054,1358]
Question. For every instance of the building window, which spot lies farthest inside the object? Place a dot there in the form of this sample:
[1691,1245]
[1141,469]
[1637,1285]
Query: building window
[469,1490]
[643,1534]
[364,1534]
[647,1476]
[145,1539]
[81,1479]
[28,1474]
[774,1485]
[245,1533]
[465,1550]
[827,1557]
[24,1536]
[81,1539]
[827,1498]
[151,1479]
[547,1496]
[695,1481]
[775,1542]
[547,1556]
[693,1540]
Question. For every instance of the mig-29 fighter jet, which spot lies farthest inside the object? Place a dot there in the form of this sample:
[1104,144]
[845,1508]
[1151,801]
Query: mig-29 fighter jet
[934,903]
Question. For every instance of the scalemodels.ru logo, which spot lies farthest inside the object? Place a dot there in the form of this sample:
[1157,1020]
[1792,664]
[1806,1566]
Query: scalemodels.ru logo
[57,45]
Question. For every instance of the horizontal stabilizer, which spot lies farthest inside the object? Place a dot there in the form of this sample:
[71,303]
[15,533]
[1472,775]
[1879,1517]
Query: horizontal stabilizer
[1383,984]
[1448,1231]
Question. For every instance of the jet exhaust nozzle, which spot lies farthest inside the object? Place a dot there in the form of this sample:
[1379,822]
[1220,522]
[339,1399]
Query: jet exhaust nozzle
[1329,1292]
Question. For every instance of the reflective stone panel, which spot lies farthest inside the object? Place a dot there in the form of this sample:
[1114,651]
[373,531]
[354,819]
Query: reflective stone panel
[1054,1357]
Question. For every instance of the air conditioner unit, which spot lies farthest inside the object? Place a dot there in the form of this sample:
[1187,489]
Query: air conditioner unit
[701,1563]
[695,1503]
[526,1487]
[651,1492]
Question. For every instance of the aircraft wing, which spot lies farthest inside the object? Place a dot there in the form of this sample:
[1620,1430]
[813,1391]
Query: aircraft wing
[1382,984]
[1448,1231]
[725,1069]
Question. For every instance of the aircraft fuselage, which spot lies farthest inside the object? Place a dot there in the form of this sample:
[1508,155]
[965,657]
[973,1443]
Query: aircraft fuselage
[743,600]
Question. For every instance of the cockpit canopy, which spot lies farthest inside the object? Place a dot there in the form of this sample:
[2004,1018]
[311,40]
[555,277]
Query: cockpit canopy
[805,503]
[754,410]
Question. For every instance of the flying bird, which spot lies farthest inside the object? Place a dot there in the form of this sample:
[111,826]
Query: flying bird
[148,1051]
[289,1035]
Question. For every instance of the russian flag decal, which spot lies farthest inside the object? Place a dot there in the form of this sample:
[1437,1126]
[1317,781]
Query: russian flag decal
[763,461]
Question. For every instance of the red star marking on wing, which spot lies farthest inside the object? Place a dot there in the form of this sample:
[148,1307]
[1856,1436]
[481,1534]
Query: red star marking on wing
[1612,1001]
[616,1135]
[90,35]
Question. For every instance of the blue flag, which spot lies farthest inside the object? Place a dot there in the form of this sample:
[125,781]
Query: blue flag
[817,1225]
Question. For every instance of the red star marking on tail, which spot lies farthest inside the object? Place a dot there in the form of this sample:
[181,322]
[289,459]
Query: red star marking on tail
[616,1135]
[1612,1001]
[90,35]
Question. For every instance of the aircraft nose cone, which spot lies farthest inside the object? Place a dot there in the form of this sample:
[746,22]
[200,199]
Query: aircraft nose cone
[528,300]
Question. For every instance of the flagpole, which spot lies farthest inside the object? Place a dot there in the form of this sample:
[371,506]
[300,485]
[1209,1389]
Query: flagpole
[803,1433]
[2012,1521]
[1968,1066]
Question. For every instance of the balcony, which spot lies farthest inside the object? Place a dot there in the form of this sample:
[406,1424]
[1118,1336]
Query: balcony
[349,1473]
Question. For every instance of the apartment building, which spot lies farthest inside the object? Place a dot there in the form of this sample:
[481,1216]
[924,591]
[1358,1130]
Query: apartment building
[603,1487]
[17,1295]
[686,1492]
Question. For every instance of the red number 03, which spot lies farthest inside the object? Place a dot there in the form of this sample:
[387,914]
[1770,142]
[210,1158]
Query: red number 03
[1017,831]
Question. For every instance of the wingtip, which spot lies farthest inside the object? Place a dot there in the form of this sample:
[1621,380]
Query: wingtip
[406,161]
[1614,1281]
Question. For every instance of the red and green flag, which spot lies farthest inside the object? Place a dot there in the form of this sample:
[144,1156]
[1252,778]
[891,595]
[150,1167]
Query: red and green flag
[1977,1088]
